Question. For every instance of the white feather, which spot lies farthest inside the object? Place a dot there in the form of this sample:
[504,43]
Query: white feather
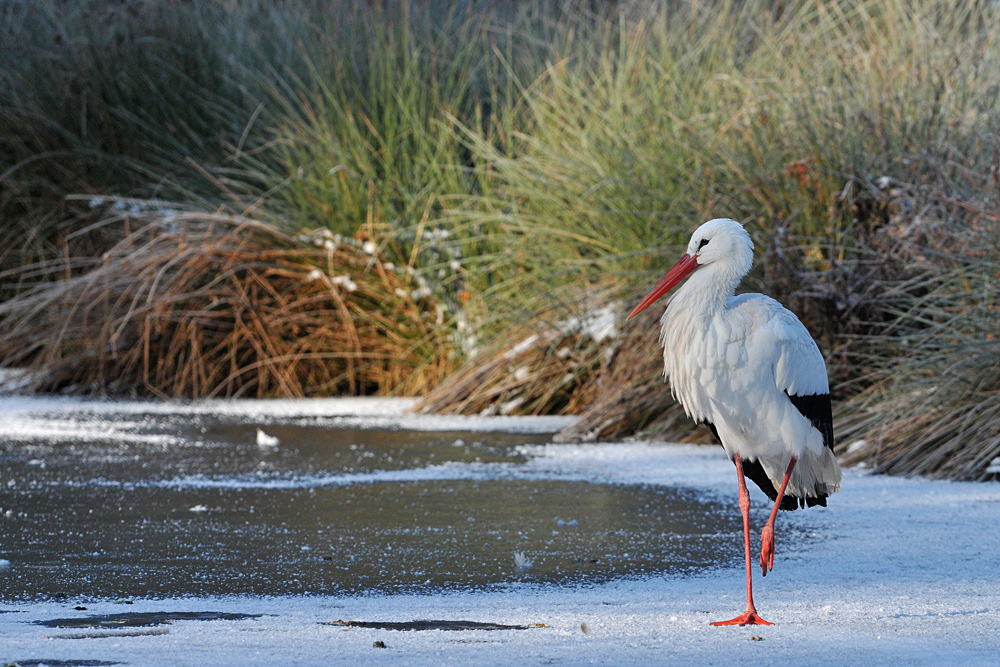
[733,360]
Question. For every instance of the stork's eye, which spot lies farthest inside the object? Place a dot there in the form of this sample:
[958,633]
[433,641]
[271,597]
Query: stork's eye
[704,242]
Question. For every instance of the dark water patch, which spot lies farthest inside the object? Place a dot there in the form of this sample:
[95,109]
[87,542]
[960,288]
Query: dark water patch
[432,625]
[42,662]
[106,519]
[100,542]
[142,619]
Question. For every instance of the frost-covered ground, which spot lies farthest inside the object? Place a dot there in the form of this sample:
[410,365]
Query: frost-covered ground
[896,572]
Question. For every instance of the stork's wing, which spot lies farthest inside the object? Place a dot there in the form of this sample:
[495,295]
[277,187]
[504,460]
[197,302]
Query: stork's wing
[800,371]
[817,409]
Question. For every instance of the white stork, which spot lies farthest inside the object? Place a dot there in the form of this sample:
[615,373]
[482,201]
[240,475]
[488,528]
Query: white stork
[747,368]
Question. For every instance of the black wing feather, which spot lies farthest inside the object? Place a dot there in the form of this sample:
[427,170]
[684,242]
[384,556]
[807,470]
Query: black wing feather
[818,411]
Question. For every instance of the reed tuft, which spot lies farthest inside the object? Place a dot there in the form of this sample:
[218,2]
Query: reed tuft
[192,305]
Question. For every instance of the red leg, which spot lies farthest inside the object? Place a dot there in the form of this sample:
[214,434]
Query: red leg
[767,535]
[748,617]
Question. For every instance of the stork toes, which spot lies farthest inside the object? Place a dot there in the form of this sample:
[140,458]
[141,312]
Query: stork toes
[749,617]
[767,548]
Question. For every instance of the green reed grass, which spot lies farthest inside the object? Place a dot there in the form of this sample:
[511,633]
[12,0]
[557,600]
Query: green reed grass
[651,126]
[528,161]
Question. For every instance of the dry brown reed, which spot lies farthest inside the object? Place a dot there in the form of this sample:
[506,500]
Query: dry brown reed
[614,384]
[190,305]
[532,373]
[933,405]
[948,434]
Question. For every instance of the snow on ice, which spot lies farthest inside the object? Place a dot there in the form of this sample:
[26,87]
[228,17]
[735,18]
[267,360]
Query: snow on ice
[894,572]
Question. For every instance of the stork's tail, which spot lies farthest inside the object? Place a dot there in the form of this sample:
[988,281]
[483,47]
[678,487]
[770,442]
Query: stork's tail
[814,478]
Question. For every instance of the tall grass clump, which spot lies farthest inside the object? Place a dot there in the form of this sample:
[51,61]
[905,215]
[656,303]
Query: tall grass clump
[125,99]
[785,121]
[376,136]
[226,105]
[190,305]
[224,110]
[936,409]
[525,170]
[366,132]
[826,127]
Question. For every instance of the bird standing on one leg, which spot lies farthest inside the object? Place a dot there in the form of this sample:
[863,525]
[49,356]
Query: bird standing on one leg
[747,368]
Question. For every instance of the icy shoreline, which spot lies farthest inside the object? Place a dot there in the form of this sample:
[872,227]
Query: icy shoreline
[896,572]
[16,411]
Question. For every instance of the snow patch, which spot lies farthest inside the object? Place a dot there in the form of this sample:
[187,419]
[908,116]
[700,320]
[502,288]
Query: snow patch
[523,346]
[607,463]
[856,445]
[265,440]
[64,418]
[244,407]
[599,324]
[443,472]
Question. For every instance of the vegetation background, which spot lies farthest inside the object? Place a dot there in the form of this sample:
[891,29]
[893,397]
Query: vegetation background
[461,199]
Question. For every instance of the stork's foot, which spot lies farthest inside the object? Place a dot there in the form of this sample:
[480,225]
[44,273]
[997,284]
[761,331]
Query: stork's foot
[767,548]
[749,617]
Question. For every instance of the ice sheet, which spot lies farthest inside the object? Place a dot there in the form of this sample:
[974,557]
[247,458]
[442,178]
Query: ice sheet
[898,572]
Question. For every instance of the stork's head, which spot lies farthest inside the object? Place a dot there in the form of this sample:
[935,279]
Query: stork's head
[722,243]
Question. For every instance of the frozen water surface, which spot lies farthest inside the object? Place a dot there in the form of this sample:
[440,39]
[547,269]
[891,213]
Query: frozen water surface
[193,504]
[164,534]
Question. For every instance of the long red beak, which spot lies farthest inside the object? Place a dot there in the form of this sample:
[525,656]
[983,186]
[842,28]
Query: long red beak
[680,270]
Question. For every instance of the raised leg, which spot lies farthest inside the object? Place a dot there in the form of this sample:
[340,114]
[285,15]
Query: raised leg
[767,535]
[748,617]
